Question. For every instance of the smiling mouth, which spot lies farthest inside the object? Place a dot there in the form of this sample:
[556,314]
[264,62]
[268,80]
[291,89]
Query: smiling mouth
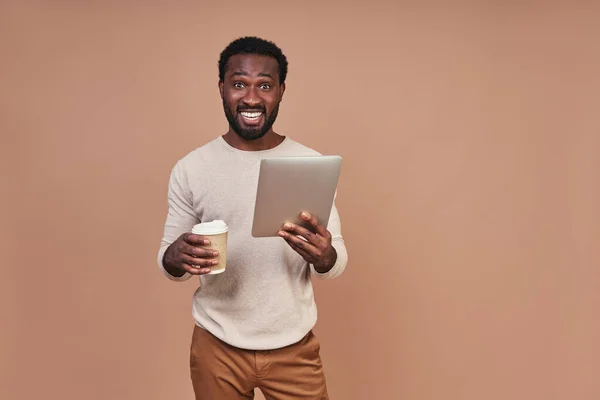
[251,117]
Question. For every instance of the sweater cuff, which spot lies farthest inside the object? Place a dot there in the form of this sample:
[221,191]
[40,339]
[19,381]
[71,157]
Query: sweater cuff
[161,254]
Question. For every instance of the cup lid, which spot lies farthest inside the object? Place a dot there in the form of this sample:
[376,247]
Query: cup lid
[210,228]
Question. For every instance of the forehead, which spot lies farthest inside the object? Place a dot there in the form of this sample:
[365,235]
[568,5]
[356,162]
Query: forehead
[252,65]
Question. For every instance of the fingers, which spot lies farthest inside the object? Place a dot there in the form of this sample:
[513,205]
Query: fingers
[195,240]
[303,253]
[297,243]
[313,221]
[190,254]
[194,259]
[312,246]
[197,265]
[199,262]
[320,237]
[196,246]
[195,270]
[298,230]
[200,252]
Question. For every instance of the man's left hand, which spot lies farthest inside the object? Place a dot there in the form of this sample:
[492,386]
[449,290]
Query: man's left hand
[316,249]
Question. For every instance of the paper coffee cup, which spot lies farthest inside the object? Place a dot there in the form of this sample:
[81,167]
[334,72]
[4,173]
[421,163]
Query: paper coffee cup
[216,232]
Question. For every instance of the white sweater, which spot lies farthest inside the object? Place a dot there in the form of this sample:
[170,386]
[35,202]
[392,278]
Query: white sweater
[264,300]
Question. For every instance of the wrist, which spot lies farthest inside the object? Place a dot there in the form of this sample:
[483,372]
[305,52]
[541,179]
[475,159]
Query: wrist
[169,266]
[330,261]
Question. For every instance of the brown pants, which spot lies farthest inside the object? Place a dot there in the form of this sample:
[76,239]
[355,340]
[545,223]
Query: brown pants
[220,371]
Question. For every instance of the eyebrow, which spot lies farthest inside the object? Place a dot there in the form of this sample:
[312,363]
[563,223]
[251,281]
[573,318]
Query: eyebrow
[242,73]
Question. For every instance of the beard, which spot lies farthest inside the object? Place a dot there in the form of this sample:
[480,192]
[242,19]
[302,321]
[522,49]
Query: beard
[251,132]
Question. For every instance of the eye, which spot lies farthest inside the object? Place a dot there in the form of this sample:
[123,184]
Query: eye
[265,86]
[238,85]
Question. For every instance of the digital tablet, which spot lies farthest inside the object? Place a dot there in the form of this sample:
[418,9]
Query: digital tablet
[288,186]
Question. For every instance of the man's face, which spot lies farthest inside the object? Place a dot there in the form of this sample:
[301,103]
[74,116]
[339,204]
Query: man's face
[251,94]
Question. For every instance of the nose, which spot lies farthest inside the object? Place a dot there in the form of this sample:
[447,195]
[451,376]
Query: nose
[251,99]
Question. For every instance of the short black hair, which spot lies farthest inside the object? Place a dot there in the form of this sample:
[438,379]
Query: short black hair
[253,45]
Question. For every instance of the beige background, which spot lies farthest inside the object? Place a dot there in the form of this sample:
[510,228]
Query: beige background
[469,193]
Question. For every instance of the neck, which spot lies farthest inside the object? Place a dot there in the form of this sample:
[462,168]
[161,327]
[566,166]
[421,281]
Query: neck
[268,141]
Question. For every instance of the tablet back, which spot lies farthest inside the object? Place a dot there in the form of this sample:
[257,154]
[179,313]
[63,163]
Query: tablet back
[288,186]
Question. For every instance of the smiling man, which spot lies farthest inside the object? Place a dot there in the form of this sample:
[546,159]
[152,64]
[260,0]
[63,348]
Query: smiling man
[253,322]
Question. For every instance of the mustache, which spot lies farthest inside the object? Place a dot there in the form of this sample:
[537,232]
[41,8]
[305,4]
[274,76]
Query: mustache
[240,109]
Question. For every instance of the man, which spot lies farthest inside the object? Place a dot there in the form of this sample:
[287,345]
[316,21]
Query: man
[254,321]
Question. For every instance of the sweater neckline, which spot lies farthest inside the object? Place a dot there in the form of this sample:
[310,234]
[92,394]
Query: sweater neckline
[283,143]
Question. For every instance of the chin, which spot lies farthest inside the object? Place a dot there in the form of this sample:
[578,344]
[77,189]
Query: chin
[250,135]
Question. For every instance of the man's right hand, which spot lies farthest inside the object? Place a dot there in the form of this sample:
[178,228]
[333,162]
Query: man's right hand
[189,254]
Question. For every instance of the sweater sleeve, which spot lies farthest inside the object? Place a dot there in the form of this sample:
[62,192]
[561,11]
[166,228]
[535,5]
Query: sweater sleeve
[337,241]
[181,217]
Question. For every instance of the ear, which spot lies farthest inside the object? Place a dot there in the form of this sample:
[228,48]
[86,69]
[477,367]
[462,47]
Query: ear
[282,91]
[221,89]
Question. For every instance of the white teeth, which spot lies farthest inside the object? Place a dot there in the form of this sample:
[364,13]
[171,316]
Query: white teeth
[251,115]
